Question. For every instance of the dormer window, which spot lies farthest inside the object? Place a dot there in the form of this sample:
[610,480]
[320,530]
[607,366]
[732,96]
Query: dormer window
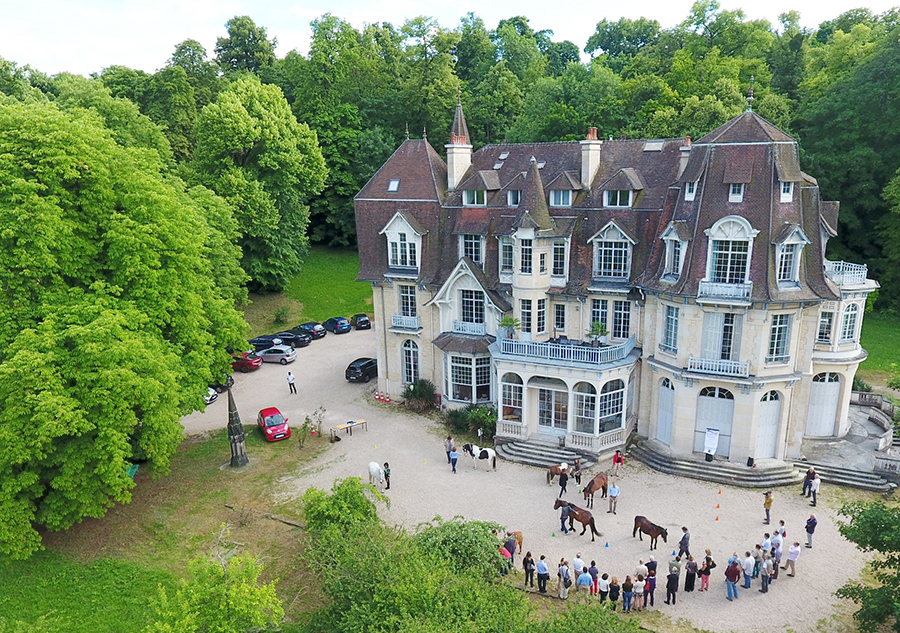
[787,191]
[393,185]
[475,197]
[513,196]
[404,239]
[788,262]
[506,254]
[561,198]
[559,258]
[788,248]
[731,244]
[612,253]
[471,246]
[403,252]
[673,257]
[690,190]
[736,192]
[617,198]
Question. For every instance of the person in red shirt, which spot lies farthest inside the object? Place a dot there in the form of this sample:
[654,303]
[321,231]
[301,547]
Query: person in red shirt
[618,459]
[732,574]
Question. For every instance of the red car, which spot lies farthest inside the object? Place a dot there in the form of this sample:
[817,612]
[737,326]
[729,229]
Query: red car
[247,361]
[273,425]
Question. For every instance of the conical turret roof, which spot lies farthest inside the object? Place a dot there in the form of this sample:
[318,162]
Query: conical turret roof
[535,211]
[459,132]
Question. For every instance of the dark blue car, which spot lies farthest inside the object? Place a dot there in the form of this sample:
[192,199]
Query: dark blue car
[337,325]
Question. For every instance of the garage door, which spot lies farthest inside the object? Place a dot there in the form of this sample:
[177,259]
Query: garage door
[715,410]
[823,404]
[767,426]
[666,411]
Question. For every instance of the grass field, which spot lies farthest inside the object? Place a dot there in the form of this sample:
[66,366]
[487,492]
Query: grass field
[881,338]
[326,287]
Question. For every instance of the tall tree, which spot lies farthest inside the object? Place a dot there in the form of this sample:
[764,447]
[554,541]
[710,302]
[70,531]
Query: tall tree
[253,152]
[201,72]
[169,100]
[246,48]
[623,37]
[475,52]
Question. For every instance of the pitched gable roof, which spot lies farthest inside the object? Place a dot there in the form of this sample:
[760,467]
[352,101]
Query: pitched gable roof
[748,127]
[421,172]
[624,179]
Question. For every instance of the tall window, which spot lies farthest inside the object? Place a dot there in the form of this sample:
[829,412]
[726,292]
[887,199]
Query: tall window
[471,248]
[541,316]
[403,252]
[729,263]
[826,324]
[525,314]
[787,191]
[472,306]
[612,399]
[690,190]
[670,330]
[560,198]
[513,196]
[788,262]
[483,378]
[559,317]
[599,312]
[470,376]
[778,338]
[474,197]
[618,198]
[512,390]
[525,256]
[612,259]
[543,263]
[721,335]
[736,192]
[585,407]
[559,258]
[673,257]
[728,336]
[408,301]
[410,362]
[621,319]
[506,254]
[848,324]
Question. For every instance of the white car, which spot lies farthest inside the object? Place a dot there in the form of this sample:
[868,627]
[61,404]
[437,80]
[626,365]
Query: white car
[283,354]
[211,395]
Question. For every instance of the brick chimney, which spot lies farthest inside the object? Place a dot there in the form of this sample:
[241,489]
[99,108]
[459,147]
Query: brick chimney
[590,157]
[685,154]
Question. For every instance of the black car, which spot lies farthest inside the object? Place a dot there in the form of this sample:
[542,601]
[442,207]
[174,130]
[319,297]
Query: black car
[264,342]
[294,339]
[362,369]
[361,322]
[316,329]
[225,381]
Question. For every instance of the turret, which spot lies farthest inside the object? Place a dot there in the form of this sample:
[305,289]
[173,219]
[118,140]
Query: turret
[459,149]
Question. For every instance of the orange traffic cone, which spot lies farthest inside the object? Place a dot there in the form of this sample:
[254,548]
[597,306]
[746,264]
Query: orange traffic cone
[378,396]
[387,397]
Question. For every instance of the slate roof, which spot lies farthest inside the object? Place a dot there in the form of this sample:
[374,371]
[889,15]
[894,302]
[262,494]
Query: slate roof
[748,149]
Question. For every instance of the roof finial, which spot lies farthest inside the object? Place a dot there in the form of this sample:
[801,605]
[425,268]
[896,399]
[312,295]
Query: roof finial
[407,131]
[459,95]
[750,96]
[424,132]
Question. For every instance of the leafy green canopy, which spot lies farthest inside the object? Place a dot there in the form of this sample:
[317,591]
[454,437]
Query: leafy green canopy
[110,323]
[253,152]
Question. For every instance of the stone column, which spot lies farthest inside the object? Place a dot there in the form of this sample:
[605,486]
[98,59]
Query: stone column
[236,435]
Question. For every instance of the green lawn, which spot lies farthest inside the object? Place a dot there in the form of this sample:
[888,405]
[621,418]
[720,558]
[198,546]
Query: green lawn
[881,338]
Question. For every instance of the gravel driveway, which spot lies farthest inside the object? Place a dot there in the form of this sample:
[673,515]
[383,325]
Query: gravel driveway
[723,519]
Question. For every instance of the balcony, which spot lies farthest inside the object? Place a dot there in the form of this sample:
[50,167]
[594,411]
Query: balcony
[718,367]
[567,353]
[846,273]
[402,322]
[464,327]
[725,292]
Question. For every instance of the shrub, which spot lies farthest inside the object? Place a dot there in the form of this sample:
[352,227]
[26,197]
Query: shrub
[419,395]
[481,417]
[861,385]
[282,314]
[458,420]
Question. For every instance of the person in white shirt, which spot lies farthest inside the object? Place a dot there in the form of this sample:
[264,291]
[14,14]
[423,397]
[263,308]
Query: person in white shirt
[815,489]
[747,566]
[793,555]
[577,565]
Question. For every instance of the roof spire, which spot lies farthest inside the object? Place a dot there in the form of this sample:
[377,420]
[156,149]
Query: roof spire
[750,96]
[424,132]
[459,132]
[533,201]
[407,131]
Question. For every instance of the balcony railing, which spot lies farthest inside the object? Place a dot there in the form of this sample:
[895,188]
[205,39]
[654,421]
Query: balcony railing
[464,327]
[846,273]
[567,353]
[402,322]
[718,290]
[718,367]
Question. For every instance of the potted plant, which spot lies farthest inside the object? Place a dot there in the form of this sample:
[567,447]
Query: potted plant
[598,332]
[511,324]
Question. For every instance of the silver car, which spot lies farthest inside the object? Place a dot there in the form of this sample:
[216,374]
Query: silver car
[283,354]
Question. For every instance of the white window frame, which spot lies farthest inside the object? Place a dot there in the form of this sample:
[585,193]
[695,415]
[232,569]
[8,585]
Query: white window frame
[690,191]
[541,316]
[512,395]
[736,192]
[674,257]
[542,263]
[526,256]
[525,315]
[612,405]
[788,271]
[513,197]
[471,306]
[410,361]
[600,312]
[670,330]
[849,323]
[393,185]
[621,319]
[732,228]
[474,198]
[478,371]
[407,295]
[558,266]
[559,317]
[613,198]
[612,254]
[471,245]
[779,339]
[585,400]
[403,252]
[561,198]
[507,264]
[825,331]
[787,191]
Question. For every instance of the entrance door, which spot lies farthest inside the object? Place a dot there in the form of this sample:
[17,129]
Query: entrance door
[553,411]
[665,412]
[715,410]
[767,427]
[823,404]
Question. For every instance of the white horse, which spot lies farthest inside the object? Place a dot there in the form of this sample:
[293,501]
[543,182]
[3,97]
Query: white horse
[376,475]
[480,453]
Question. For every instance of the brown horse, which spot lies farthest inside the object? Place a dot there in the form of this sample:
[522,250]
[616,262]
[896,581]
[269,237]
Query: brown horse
[600,482]
[520,538]
[581,515]
[642,526]
[555,471]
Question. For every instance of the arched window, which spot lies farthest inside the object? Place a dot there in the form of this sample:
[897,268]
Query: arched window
[512,389]
[410,362]
[612,399]
[667,384]
[716,392]
[585,407]
[770,396]
[730,248]
[827,377]
[848,325]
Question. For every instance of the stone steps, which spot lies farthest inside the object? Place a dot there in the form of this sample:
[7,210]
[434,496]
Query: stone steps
[763,476]
[540,455]
[846,477]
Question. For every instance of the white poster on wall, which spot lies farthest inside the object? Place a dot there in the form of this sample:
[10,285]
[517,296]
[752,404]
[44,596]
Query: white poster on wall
[712,441]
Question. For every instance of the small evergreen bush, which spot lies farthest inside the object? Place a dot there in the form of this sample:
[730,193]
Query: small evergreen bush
[419,396]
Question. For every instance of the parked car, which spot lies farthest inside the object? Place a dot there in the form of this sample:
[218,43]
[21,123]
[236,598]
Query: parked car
[211,395]
[294,339]
[264,342]
[246,361]
[273,425]
[361,322]
[225,381]
[316,330]
[283,354]
[338,325]
[362,369]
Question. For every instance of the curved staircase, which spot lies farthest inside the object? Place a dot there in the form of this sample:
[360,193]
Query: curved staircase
[846,477]
[540,455]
